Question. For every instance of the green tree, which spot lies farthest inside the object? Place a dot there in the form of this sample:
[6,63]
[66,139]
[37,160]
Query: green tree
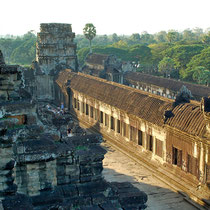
[182,54]
[161,36]
[134,39]
[198,32]
[157,51]
[206,38]
[140,53]
[90,32]
[82,53]
[120,44]
[115,38]
[188,35]
[202,59]
[147,38]
[173,36]
[166,66]
[201,75]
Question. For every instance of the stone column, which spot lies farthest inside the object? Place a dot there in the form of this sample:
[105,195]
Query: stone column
[201,163]
[154,145]
[144,136]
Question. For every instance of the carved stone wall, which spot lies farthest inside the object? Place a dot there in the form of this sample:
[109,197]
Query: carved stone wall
[55,51]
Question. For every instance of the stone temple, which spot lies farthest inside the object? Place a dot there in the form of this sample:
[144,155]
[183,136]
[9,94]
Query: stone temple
[55,51]
[41,167]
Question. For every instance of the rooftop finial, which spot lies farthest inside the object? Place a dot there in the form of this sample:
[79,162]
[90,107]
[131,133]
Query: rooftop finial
[183,96]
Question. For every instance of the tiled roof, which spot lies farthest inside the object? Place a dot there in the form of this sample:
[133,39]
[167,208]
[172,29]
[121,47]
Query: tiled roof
[186,117]
[198,91]
[96,58]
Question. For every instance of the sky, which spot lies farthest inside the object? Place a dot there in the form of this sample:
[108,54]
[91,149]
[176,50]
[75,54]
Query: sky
[17,17]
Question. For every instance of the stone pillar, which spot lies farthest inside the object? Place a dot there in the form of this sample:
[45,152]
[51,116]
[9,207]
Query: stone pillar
[144,135]
[164,149]
[154,145]
[201,164]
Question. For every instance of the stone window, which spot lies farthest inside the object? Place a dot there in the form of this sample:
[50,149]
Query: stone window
[91,111]
[101,117]
[106,120]
[140,138]
[87,110]
[118,126]
[177,156]
[159,148]
[112,123]
[75,103]
[78,106]
[149,143]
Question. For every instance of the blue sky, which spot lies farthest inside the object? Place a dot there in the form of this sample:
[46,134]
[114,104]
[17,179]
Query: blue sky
[109,16]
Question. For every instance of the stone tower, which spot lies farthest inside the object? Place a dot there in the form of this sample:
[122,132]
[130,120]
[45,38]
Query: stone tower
[55,51]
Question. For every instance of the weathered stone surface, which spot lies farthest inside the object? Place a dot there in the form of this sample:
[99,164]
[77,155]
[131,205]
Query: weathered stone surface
[42,168]
[55,51]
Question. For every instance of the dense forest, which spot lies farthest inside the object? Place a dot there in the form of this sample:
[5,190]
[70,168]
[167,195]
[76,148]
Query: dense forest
[180,55]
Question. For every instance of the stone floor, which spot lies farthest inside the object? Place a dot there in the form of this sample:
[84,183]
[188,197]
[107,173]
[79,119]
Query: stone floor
[119,168]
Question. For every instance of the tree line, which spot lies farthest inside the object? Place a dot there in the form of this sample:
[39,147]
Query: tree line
[182,55]
[19,49]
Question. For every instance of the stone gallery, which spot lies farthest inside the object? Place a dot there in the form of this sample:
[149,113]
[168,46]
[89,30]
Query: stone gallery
[49,162]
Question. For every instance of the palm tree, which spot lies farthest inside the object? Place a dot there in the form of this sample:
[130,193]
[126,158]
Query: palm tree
[90,32]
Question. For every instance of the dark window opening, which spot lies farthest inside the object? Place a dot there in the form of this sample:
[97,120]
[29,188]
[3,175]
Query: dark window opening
[140,138]
[112,123]
[149,143]
[83,107]
[118,126]
[87,109]
[177,157]
[101,117]
[78,107]
[75,103]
